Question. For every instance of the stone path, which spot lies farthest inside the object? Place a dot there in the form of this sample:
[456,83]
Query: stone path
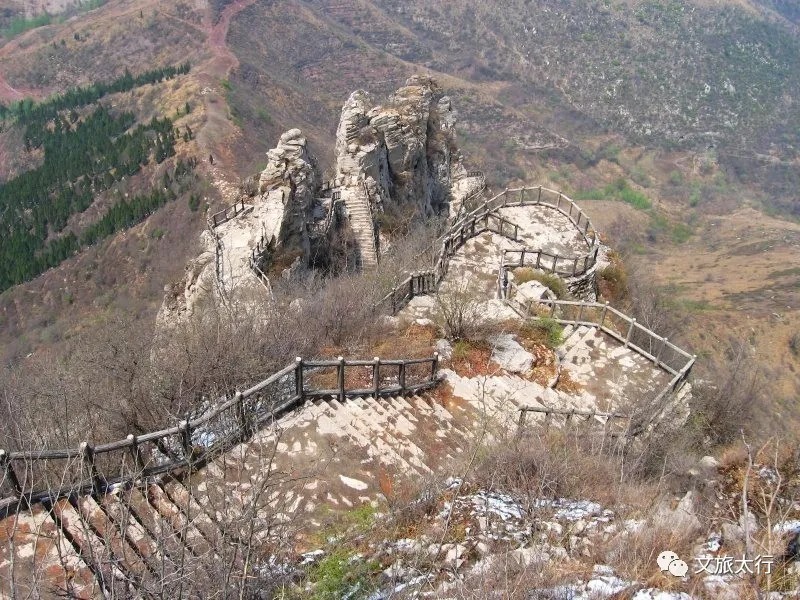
[358,211]
[326,456]
[543,228]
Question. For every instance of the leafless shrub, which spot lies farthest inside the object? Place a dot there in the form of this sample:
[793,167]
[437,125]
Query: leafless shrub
[723,407]
[460,312]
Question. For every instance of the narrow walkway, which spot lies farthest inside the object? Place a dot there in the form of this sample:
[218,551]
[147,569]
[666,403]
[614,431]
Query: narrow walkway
[360,215]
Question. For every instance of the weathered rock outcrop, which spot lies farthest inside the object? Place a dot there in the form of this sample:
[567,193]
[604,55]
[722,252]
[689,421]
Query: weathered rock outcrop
[399,158]
[289,184]
[404,150]
[238,241]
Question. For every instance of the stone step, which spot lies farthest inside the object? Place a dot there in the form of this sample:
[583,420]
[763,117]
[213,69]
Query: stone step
[170,548]
[380,445]
[402,447]
[190,536]
[41,555]
[580,352]
[189,506]
[91,548]
[106,530]
[118,509]
[575,335]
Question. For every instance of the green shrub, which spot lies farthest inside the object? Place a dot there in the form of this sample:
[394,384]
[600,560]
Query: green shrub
[550,280]
[620,190]
[613,281]
[341,574]
[794,344]
[544,330]
[681,232]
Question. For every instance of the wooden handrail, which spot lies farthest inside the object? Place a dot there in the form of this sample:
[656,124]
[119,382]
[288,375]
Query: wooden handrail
[459,233]
[178,447]
[680,372]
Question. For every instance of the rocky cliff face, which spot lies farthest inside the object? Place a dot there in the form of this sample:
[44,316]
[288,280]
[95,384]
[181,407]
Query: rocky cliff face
[404,150]
[290,182]
[239,241]
[400,156]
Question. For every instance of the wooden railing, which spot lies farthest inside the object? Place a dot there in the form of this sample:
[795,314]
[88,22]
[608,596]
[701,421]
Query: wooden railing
[484,218]
[565,266]
[425,282]
[568,414]
[30,477]
[657,349]
[226,214]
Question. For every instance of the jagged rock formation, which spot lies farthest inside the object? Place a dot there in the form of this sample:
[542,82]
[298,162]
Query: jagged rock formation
[288,185]
[240,239]
[403,150]
[399,157]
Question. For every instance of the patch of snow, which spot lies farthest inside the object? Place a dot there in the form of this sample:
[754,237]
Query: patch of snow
[356,484]
[311,557]
[656,594]
[790,526]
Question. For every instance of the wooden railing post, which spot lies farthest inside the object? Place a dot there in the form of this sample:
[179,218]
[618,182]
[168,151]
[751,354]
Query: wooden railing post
[574,267]
[522,258]
[603,314]
[522,196]
[558,204]
[136,454]
[244,419]
[521,422]
[340,374]
[87,456]
[434,366]
[402,376]
[539,197]
[552,307]
[580,313]
[661,351]
[8,471]
[298,378]
[630,332]
[376,376]
[538,259]
[186,439]
[555,262]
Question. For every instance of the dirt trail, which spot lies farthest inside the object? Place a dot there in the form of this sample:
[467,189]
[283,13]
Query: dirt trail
[219,134]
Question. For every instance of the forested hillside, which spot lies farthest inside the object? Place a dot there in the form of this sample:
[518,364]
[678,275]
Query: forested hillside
[86,149]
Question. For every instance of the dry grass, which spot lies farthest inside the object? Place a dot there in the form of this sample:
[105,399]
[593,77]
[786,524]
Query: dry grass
[634,554]
[567,384]
[408,341]
[473,359]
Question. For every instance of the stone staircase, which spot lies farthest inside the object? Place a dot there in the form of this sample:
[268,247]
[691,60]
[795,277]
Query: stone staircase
[358,210]
[326,455]
[606,370]
[169,531]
